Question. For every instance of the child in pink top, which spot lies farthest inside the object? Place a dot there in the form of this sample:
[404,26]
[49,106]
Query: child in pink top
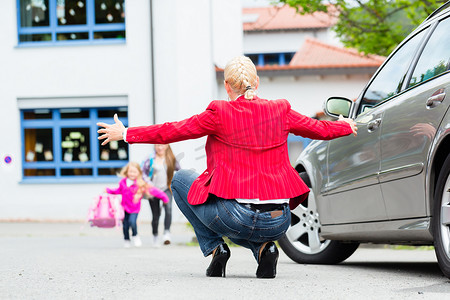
[132,188]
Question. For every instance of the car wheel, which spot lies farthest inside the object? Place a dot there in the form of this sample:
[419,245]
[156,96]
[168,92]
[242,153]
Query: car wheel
[441,219]
[302,242]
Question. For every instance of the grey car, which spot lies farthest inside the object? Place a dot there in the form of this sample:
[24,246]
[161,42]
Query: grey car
[391,183]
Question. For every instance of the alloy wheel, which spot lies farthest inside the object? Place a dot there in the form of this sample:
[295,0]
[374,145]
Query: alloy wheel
[304,232]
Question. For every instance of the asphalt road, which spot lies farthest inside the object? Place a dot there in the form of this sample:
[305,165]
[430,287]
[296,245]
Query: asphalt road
[73,261]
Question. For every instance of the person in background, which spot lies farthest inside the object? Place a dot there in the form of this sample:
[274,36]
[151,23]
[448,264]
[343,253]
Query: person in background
[249,186]
[132,188]
[158,169]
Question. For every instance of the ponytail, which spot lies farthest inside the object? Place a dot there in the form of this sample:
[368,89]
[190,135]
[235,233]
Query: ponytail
[240,74]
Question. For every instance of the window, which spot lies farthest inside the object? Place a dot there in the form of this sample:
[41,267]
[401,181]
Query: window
[62,145]
[389,80]
[60,21]
[280,59]
[435,58]
[271,59]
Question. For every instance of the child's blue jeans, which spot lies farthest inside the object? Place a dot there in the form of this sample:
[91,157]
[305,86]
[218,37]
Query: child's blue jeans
[129,221]
[219,217]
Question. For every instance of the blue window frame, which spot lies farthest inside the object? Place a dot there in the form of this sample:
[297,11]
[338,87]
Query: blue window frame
[56,22]
[61,145]
[264,59]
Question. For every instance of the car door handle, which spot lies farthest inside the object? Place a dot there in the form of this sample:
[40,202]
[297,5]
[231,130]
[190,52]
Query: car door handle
[373,125]
[436,98]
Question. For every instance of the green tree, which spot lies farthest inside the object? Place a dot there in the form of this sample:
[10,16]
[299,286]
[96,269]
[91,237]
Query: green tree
[371,26]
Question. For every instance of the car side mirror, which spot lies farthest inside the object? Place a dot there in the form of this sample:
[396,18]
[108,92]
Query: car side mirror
[336,106]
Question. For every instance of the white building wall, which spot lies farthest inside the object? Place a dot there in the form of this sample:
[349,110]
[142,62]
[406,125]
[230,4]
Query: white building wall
[284,41]
[184,78]
[227,31]
[207,33]
[66,71]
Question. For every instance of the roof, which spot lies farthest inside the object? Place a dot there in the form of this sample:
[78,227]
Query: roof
[319,58]
[317,54]
[283,18]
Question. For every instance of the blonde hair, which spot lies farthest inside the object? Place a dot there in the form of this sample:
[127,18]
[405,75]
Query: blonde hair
[240,74]
[139,181]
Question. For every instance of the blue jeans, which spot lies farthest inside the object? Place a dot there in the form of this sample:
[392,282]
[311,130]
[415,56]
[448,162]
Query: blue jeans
[129,220]
[219,217]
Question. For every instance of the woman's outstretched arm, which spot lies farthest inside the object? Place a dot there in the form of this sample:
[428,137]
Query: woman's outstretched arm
[320,130]
[170,132]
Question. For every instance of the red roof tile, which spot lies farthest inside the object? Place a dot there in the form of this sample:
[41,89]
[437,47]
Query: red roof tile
[317,54]
[285,18]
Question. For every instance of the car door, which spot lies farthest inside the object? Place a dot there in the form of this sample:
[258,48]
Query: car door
[409,126]
[353,192]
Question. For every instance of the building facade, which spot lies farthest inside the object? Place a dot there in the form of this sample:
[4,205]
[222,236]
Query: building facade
[68,64]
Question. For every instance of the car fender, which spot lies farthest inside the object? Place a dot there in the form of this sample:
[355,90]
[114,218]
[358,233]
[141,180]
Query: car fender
[314,161]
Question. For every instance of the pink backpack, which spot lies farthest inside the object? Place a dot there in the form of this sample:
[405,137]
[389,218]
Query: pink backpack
[105,212]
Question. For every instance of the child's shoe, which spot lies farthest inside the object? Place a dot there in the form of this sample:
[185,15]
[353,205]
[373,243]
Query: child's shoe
[137,241]
[155,241]
[166,237]
[127,244]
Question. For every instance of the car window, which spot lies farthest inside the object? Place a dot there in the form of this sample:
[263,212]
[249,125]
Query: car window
[435,57]
[388,81]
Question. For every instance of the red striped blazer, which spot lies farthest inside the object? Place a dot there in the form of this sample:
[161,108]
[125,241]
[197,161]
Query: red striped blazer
[246,148]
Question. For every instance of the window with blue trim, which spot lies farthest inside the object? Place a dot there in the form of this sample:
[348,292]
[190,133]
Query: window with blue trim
[61,21]
[62,145]
[269,59]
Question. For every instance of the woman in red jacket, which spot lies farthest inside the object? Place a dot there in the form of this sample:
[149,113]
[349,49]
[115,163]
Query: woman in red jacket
[249,186]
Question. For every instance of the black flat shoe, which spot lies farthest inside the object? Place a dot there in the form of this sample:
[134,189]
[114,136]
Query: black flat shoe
[267,267]
[219,261]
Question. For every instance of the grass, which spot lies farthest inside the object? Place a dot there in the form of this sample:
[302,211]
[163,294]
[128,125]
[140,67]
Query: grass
[406,247]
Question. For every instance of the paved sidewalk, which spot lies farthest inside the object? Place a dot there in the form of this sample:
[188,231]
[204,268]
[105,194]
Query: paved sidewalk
[69,261]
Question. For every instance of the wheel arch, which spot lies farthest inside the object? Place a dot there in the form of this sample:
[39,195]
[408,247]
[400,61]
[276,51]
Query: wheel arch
[305,177]
[300,168]
[440,155]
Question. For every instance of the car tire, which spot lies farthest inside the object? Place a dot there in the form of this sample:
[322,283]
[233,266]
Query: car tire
[441,219]
[302,242]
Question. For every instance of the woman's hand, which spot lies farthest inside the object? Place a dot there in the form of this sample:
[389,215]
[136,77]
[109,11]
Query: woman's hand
[111,132]
[351,123]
